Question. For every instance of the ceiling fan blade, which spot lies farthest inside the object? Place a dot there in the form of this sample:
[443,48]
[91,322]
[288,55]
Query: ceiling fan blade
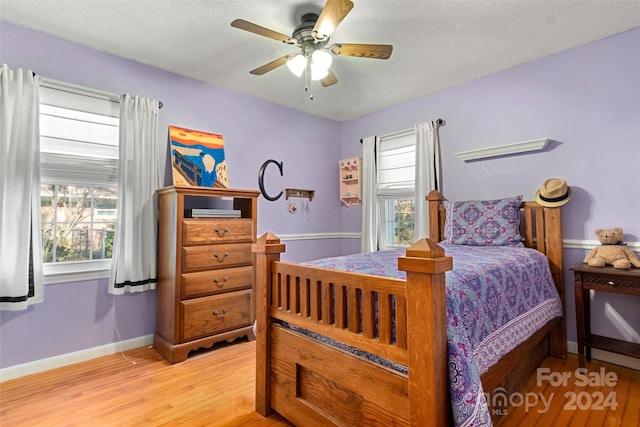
[271,65]
[332,14]
[261,31]
[373,51]
[330,80]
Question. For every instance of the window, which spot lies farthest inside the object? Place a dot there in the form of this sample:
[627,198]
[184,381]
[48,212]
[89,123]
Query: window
[79,180]
[398,217]
[396,187]
[72,227]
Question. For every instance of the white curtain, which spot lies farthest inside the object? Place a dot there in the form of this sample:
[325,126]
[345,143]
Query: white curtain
[20,233]
[369,238]
[141,161]
[427,174]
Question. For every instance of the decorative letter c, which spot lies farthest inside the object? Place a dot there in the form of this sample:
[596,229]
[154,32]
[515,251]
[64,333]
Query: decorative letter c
[261,179]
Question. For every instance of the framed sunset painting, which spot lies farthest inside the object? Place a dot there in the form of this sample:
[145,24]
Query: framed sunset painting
[197,158]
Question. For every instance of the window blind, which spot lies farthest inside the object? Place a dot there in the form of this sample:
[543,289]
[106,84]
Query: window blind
[78,136]
[396,165]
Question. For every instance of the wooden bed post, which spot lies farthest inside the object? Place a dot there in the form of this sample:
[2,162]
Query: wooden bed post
[265,250]
[554,251]
[425,263]
[436,225]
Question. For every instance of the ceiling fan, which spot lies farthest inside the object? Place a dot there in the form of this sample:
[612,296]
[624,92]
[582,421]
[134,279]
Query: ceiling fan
[312,37]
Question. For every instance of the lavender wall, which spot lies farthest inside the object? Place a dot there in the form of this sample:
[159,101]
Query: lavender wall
[77,316]
[587,100]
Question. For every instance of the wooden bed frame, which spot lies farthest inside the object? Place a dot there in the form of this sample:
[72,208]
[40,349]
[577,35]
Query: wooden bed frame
[313,384]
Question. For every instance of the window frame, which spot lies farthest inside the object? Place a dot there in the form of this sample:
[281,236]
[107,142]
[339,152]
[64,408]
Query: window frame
[77,271]
[385,195]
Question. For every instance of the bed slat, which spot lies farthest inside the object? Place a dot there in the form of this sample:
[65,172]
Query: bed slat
[528,229]
[341,306]
[294,292]
[369,314]
[385,321]
[327,303]
[540,230]
[401,322]
[353,310]
[315,302]
[305,298]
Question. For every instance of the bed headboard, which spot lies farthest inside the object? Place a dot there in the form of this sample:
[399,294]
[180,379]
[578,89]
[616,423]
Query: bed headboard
[540,228]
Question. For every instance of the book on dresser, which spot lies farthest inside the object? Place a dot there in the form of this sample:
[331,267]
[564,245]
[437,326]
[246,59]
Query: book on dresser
[212,213]
[205,290]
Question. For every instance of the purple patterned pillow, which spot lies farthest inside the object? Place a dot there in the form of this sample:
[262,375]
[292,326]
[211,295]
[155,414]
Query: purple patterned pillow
[483,222]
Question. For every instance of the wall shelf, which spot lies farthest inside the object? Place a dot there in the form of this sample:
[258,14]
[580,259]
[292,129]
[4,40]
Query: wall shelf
[502,150]
[296,192]
[351,181]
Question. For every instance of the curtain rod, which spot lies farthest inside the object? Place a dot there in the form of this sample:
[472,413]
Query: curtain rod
[439,121]
[108,94]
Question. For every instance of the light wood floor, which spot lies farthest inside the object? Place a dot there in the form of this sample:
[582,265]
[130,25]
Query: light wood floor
[216,388]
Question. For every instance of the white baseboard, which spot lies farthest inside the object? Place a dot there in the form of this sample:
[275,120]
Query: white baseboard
[42,365]
[607,356]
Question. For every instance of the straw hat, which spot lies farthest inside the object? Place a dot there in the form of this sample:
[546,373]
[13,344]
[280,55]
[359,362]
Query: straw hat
[553,192]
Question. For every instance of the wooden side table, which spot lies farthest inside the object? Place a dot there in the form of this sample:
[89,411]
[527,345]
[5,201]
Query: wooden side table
[607,279]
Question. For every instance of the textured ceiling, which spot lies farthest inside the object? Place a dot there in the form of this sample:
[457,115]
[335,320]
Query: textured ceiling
[437,44]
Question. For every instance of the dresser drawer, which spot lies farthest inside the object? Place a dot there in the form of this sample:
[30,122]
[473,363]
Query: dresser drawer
[216,281]
[215,256]
[219,230]
[214,314]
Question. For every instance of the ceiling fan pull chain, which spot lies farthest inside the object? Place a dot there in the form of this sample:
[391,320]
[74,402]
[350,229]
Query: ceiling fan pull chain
[308,82]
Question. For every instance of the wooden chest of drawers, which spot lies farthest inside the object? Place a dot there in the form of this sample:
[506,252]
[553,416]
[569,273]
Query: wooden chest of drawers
[205,270]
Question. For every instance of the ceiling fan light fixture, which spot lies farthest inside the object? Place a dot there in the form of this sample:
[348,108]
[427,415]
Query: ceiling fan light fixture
[321,59]
[297,64]
[318,73]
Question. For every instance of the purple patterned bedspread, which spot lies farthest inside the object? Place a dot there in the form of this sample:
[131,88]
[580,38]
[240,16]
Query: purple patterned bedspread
[497,297]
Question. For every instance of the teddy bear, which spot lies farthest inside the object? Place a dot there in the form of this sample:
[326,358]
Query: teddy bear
[613,251]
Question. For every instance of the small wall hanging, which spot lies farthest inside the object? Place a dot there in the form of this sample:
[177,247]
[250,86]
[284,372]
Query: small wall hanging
[296,192]
[351,181]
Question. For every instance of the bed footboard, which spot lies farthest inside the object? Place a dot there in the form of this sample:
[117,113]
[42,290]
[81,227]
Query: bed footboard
[358,310]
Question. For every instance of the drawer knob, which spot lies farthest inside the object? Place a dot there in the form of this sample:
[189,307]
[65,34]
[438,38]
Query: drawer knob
[218,315]
[219,283]
[221,258]
[221,233]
